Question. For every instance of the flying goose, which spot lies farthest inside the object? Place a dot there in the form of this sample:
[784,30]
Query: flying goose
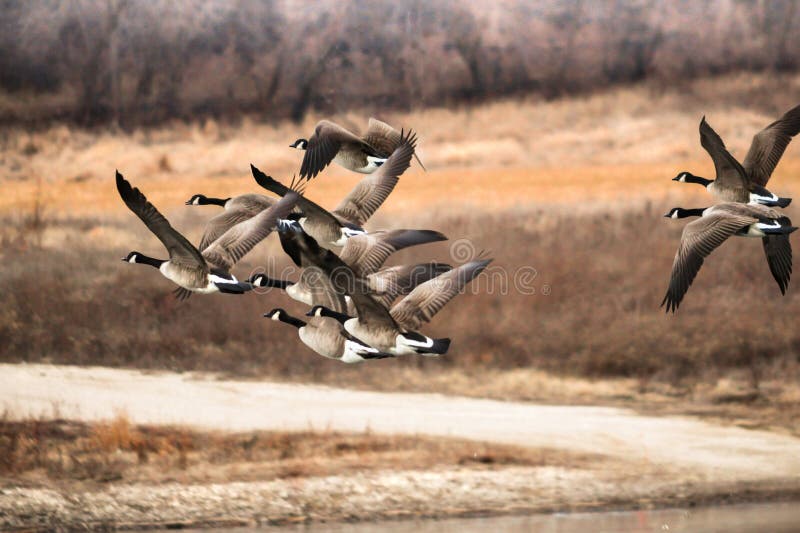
[747,182]
[716,224]
[187,267]
[362,254]
[237,209]
[332,142]
[327,337]
[334,227]
[394,331]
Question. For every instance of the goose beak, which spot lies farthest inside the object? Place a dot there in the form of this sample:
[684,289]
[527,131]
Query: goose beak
[124,259]
[310,313]
[668,215]
[188,202]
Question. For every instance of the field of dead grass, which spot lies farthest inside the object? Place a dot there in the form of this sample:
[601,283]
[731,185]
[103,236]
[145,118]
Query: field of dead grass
[609,146]
[572,188]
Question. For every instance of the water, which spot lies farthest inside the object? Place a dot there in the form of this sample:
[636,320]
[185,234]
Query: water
[749,518]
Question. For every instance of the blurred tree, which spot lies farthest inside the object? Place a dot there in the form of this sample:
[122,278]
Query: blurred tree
[129,62]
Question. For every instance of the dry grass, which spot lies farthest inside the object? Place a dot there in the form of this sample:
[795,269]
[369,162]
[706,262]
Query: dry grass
[600,318]
[574,188]
[611,145]
[39,452]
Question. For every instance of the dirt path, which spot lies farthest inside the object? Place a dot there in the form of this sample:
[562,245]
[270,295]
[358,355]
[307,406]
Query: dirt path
[711,452]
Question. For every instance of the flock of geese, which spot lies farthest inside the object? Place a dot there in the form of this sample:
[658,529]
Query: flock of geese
[351,296]
[746,208]
[352,313]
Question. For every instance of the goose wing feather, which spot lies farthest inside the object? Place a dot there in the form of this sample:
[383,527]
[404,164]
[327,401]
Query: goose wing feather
[768,146]
[232,245]
[699,239]
[429,298]
[370,193]
[182,253]
[729,172]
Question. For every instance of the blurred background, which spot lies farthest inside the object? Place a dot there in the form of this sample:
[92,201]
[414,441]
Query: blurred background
[550,132]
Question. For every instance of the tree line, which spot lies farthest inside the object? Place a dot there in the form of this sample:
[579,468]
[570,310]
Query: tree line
[132,62]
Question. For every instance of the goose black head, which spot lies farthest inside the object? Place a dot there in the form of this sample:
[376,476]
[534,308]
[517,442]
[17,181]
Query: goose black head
[688,177]
[300,144]
[140,258]
[132,257]
[197,199]
[275,314]
[318,310]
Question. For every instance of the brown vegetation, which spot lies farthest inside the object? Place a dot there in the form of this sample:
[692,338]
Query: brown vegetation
[577,194]
[590,307]
[39,452]
[132,63]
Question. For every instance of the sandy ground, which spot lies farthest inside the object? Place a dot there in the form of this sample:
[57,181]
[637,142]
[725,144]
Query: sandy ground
[645,459]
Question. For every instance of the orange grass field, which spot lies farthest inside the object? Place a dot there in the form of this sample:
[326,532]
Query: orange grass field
[604,148]
[487,189]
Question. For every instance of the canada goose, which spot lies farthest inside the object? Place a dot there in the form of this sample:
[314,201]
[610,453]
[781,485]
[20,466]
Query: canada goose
[334,227]
[327,337]
[717,223]
[331,142]
[187,267]
[747,182]
[237,209]
[394,331]
[362,254]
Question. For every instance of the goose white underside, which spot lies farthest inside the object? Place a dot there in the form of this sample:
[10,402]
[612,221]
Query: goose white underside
[298,294]
[373,164]
[354,352]
[405,346]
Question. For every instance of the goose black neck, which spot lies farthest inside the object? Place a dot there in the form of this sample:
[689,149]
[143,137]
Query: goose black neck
[692,212]
[292,321]
[691,178]
[152,261]
[217,201]
[341,317]
[279,283]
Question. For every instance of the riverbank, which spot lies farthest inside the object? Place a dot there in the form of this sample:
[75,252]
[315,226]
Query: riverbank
[183,450]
